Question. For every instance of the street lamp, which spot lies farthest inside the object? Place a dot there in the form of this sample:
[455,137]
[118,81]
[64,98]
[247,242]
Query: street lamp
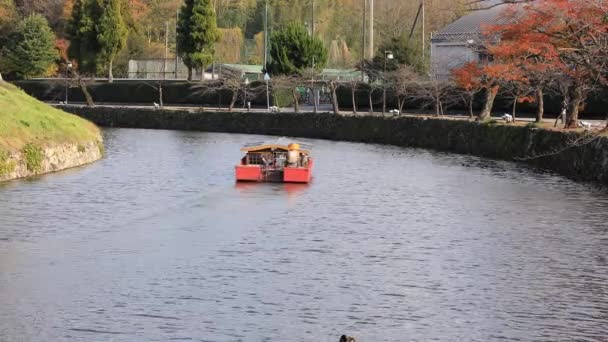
[68,77]
[387,55]
[245,103]
[267,79]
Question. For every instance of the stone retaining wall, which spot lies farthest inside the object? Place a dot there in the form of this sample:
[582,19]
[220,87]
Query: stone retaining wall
[34,160]
[585,162]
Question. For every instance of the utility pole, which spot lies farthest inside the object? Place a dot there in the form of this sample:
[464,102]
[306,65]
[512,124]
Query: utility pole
[371,29]
[363,45]
[266,36]
[166,49]
[176,55]
[313,18]
[423,30]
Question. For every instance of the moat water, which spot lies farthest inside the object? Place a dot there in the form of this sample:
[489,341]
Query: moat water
[156,242]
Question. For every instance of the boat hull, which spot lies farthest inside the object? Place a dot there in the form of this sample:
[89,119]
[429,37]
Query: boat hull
[255,173]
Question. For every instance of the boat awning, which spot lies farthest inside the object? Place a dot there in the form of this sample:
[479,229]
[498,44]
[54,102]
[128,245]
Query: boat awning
[280,144]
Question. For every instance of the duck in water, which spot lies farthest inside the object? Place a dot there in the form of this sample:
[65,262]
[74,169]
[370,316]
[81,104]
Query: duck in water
[345,338]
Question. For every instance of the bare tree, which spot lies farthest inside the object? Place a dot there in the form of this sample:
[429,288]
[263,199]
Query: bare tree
[333,86]
[403,81]
[289,83]
[353,85]
[435,93]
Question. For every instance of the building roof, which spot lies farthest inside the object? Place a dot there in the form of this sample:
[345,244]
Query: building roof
[471,25]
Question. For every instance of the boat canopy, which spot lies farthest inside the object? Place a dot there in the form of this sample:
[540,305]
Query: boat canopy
[281,144]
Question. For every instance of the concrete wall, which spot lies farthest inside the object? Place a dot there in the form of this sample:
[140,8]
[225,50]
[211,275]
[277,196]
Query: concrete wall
[588,162]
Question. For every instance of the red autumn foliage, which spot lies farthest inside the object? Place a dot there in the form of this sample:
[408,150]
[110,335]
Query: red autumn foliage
[545,40]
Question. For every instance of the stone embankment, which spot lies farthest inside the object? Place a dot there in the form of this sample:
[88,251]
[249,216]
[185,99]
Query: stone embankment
[574,155]
[34,160]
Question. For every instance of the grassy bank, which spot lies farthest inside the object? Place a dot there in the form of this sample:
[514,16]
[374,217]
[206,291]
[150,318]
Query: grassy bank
[25,121]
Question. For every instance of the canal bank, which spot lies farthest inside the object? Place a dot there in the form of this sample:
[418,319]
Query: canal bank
[567,153]
[36,138]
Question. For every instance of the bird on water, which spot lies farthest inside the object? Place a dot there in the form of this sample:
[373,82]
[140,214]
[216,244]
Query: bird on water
[345,338]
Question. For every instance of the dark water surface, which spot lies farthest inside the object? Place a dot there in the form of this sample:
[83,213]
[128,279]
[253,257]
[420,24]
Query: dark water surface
[156,243]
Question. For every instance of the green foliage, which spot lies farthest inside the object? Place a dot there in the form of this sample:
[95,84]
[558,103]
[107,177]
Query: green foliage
[292,50]
[282,97]
[33,157]
[197,33]
[45,124]
[102,149]
[98,30]
[8,16]
[82,32]
[6,166]
[404,52]
[111,31]
[30,49]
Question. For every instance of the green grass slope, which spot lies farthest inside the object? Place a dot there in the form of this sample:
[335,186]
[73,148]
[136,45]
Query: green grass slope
[25,120]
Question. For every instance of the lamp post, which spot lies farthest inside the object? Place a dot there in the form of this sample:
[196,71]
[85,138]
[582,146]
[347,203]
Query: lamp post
[68,77]
[387,55]
[267,79]
[245,103]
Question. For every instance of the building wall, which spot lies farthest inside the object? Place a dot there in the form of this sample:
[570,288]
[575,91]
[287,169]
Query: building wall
[448,56]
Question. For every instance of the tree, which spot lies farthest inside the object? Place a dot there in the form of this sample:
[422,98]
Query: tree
[568,37]
[111,33]
[197,34]
[82,32]
[403,82]
[289,83]
[468,80]
[292,50]
[30,50]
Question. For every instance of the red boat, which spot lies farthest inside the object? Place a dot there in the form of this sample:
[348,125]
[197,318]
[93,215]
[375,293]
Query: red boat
[279,161]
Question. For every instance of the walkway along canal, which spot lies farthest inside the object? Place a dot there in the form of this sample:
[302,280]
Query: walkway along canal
[156,242]
[587,162]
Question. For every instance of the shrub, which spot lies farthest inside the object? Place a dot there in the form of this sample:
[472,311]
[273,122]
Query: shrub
[6,166]
[33,157]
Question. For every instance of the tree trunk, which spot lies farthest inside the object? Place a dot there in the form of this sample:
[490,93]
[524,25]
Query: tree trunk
[401,104]
[489,104]
[160,94]
[371,103]
[514,107]
[314,99]
[471,99]
[296,102]
[353,90]
[540,111]
[577,100]
[189,73]
[232,101]
[110,74]
[437,107]
[334,97]
[0,76]
[85,91]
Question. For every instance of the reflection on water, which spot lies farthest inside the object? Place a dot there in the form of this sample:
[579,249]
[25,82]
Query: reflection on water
[157,243]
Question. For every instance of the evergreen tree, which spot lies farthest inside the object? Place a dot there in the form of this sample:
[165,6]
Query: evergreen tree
[196,34]
[30,49]
[292,50]
[82,32]
[111,33]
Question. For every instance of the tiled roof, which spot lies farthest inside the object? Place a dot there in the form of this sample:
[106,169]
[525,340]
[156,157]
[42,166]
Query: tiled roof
[470,26]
